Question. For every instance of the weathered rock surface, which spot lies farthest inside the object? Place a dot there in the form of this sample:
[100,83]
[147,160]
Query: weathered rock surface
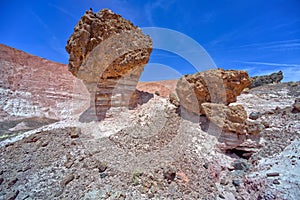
[108,53]
[266,79]
[216,86]
[227,118]
[233,127]
[34,87]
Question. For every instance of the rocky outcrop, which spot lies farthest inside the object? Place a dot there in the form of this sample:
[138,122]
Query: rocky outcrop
[228,118]
[215,85]
[266,79]
[209,93]
[31,86]
[234,127]
[108,53]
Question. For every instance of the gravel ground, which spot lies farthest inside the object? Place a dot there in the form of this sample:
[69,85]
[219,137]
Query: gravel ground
[152,153]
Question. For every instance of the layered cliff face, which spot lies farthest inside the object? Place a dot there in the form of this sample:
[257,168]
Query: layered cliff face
[34,87]
[108,53]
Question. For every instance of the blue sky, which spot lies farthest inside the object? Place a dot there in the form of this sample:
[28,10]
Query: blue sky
[258,36]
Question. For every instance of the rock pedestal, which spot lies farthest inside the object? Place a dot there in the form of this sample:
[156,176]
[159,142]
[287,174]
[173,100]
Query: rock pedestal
[109,54]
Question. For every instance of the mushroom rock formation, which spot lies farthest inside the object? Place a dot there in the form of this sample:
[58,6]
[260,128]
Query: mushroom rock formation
[108,53]
[215,85]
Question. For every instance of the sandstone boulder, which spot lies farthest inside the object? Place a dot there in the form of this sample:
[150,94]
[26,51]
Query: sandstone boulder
[227,118]
[266,79]
[215,85]
[109,54]
[234,130]
[233,127]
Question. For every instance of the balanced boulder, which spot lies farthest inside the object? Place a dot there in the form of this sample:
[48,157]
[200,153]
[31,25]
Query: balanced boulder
[108,53]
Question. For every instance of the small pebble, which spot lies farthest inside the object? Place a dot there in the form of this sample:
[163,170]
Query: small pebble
[236,182]
[272,174]
[205,165]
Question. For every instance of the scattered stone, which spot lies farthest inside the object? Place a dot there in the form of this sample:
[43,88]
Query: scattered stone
[150,195]
[276,182]
[157,93]
[182,177]
[296,106]
[44,144]
[1,180]
[254,115]
[170,173]
[205,165]
[13,195]
[272,174]
[69,164]
[102,167]
[224,181]
[103,175]
[12,182]
[221,196]
[265,124]
[246,91]
[81,158]
[253,127]
[174,99]
[236,182]
[67,180]
[239,164]
[75,132]
[32,139]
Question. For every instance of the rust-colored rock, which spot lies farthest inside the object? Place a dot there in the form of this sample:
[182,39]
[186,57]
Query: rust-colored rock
[215,85]
[31,86]
[233,126]
[108,53]
[228,118]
